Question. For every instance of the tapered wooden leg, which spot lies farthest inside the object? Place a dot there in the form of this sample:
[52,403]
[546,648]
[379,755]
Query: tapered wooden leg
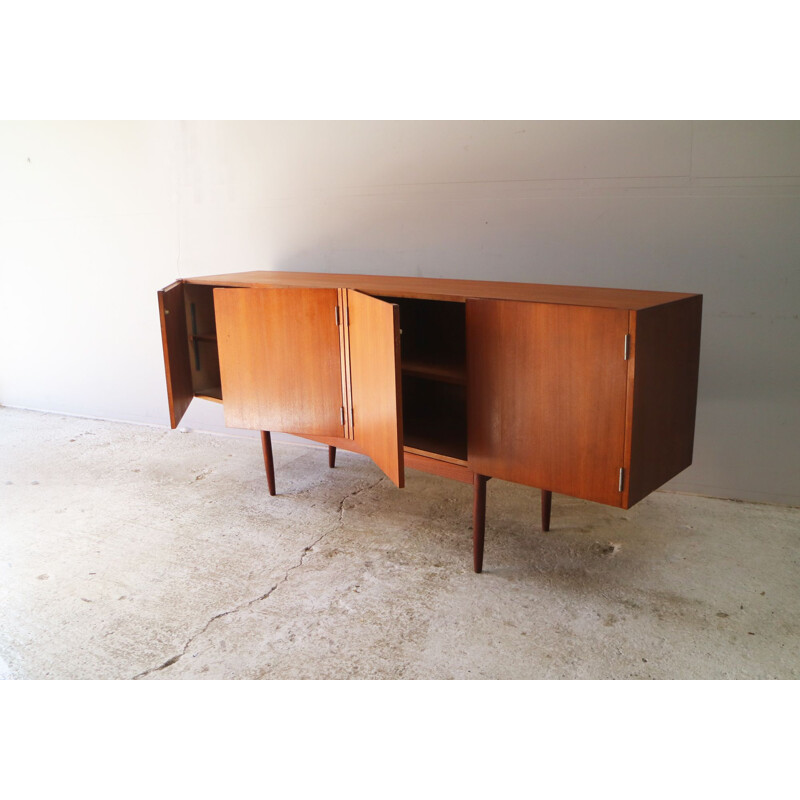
[266,446]
[478,521]
[331,456]
[547,499]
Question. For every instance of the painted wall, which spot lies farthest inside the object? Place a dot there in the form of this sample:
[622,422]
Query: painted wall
[94,217]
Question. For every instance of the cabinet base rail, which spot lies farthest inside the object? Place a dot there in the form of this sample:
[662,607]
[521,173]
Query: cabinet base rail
[478,507]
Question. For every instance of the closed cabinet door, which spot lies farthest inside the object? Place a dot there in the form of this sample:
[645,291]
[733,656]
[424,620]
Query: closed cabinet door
[280,360]
[546,396]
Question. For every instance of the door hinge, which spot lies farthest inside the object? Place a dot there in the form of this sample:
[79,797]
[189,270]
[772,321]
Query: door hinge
[621,477]
[352,419]
[341,415]
[338,316]
[627,346]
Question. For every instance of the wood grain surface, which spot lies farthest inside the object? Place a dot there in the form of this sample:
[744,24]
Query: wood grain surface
[374,338]
[175,343]
[665,358]
[280,359]
[448,289]
[547,391]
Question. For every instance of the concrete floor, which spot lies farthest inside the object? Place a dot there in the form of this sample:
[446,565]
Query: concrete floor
[136,552]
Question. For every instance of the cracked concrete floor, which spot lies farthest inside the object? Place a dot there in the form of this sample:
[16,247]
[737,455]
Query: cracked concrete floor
[136,552]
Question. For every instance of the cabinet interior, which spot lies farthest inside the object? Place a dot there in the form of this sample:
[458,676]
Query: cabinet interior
[433,367]
[434,376]
[201,328]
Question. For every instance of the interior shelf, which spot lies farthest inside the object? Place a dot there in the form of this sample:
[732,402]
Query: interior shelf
[433,445]
[433,339]
[213,393]
[434,376]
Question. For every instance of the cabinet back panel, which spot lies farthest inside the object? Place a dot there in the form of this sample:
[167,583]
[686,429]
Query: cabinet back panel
[433,341]
[547,390]
[201,331]
[435,417]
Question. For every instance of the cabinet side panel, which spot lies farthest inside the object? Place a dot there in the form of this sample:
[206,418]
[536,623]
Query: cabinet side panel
[666,353]
[546,395]
[174,339]
[374,336]
[280,362]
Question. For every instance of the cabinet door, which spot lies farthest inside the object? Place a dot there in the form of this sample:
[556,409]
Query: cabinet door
[375,384]
[174,338]
[546,395]
[280,361]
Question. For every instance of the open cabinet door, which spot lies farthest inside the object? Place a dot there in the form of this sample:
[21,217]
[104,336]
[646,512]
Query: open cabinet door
[375,384]
[174,338]
[547,391]
[280,360]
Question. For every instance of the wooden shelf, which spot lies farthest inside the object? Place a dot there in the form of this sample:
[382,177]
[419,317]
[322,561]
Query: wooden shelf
[204,337]
[435,444]
[462,462]
[210,393]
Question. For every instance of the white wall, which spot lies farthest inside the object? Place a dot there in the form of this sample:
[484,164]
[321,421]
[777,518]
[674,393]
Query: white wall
[94,217]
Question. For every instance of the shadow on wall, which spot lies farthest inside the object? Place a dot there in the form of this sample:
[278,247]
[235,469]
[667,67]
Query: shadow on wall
[535,201]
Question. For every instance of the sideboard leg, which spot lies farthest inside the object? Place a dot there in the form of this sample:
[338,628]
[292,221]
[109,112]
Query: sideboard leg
[478,521]
[331,456]
[547,499]
[266,446]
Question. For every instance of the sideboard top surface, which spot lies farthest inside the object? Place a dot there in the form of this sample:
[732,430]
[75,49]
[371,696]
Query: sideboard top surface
[448,289]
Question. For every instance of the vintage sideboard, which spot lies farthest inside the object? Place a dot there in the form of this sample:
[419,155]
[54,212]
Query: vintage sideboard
[583,391]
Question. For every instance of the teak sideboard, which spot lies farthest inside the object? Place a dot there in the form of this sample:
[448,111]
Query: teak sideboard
[582,391]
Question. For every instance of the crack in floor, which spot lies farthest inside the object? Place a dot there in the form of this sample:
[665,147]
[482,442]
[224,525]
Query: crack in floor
[306,550]
[355,494]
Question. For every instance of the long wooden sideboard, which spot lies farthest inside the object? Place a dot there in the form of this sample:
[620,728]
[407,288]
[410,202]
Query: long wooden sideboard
[588,392]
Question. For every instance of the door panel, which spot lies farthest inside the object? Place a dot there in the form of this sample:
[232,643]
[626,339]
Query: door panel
[174,339]
[280,361]
[546,395]
[374,339]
